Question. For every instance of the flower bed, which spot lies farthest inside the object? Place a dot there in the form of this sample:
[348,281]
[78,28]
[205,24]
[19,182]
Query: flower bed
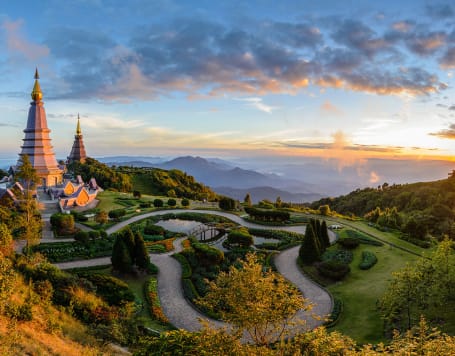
[151,292]
[168,244]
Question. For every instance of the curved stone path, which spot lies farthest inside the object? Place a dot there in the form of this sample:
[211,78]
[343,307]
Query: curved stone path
[180,312]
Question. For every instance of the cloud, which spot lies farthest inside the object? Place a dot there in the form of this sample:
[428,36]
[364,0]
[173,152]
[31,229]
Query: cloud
[329,108]
[446,133]
[203,59]
[258,104]
[440,11]
[447,61]
[452,107]
[18,44]
[374,178]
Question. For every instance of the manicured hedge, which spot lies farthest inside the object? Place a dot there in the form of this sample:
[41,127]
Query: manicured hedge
[186,268]
[369,259]
[335,314]
[363,239]
[268,215]
[348,242]
[333,269]
[189,290]
[342,256]
[116,214]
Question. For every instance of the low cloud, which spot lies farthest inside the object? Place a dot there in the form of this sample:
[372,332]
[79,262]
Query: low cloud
[258,104]
[374,178]
[446,133]
[19,45]
[329,108]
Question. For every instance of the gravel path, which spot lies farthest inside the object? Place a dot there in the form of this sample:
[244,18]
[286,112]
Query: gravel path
[180,312]
[286,264]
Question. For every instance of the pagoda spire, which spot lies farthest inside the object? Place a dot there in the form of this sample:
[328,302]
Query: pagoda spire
[37,94]
[78,127]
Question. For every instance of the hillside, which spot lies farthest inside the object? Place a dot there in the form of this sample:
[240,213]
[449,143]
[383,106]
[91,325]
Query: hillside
[416,208]
[266,193]
[172,183]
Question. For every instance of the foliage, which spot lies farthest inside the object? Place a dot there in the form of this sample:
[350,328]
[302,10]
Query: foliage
[247,200]
[226,203]
[172,183]
[416,209]
[333,269]
[186,268]
[348,242]
[324,210]
[171,202]
[420,288]
[121,258]
[369,259]
[309,251]
[240,237]
[128,251]
[257,302]
[341,256]
[63,223]
[185,202]
[151,289]
[152,229]
[267,215]
[116,214]
[363,239]
[101,217]
[82,236]
[206,254]
[26,173]
[105,176]
[158,203]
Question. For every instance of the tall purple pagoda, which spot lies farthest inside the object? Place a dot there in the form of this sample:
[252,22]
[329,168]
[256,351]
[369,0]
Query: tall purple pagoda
[78,150]
[37,143]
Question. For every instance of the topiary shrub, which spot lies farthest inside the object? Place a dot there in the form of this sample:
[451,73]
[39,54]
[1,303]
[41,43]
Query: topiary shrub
[240,237]
[349,242]
[369,259]
[94,234]
[151,229]
[145,204]
[158,203]
[185,202]
[82,236]
[116,214]
[171,202]
[333,269]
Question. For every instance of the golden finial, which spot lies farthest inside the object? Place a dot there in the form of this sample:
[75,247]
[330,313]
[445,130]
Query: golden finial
[78,128]
[37,94]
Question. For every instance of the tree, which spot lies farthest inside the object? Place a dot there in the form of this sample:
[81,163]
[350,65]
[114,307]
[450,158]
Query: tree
[158,203]
[6,240]
[247,200]
[309,251]
[171,202]
[141,256]
[260,303]
[121,259]
[324,210]
[278,202]
[101,217]
[185,202]
[324,234]
[26,173]
[227,203]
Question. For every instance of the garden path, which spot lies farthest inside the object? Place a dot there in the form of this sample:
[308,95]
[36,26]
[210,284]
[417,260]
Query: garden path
[180,312]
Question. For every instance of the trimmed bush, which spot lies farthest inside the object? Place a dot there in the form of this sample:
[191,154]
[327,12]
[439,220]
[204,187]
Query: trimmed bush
[144,205]
[171,202]
[111,289]
[189,290]
[349,242]
[342,256]
[94,234]
[333,269]
[240,237]
[63,223]
[82,236]
[363,239]
[369,259]
[185,202]
[151,229]
[186,268]
[116,214]
[158,203]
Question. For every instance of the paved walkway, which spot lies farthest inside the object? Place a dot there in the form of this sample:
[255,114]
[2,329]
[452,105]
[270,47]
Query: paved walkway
[181,313]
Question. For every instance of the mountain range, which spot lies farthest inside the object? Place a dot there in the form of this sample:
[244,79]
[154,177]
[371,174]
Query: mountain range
[227,179]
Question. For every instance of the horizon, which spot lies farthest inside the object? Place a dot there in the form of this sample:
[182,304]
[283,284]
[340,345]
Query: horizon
[292,81]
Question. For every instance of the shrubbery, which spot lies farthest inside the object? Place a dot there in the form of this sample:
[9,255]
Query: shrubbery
[268,215]
[158,203]
[333,269]
[369,259]
[63,223]
[342,256]
[116,214]
[349,242]
[240,237]
[171,202]
[185,202]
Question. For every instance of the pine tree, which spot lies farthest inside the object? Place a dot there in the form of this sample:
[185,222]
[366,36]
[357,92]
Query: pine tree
[325,234]
[128,240]
[121,259]
[141,255]
[309,251]
[247,200]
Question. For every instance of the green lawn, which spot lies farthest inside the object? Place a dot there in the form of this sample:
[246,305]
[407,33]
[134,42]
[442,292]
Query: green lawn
[361,290]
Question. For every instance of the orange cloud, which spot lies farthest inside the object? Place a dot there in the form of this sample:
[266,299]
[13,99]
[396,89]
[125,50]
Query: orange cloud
[328,107]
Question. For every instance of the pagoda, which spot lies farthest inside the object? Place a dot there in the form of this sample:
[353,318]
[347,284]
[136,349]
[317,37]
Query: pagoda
[37,143]
[78,150]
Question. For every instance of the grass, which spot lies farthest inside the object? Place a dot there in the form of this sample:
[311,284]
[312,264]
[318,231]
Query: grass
[361,290]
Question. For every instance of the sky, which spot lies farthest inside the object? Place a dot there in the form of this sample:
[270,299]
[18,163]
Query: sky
[347,81]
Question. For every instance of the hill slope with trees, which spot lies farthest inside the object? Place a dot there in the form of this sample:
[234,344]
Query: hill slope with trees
[416,209]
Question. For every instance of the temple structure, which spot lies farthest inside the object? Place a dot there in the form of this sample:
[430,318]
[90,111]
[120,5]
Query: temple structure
[78,151]
[37,143]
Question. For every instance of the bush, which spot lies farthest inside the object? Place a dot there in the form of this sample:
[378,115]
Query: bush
[268,215]
[363,239]
[369,259]
[94,234]
[146,204]
[185,202]
[240,237]
[189,290]
[151,229]
[82,236]
[349,242]
[156,248]
[186,268]
[171,202]
[207,255]
[342,256]
[335,314]
[63,223]
[226,203]
[158,203]
[116,214]
[333,269]
[136,194]
[111,289]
